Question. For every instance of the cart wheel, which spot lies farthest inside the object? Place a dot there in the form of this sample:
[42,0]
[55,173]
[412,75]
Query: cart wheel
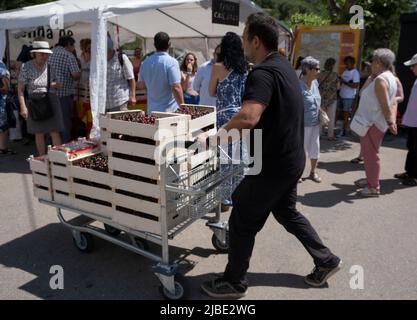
[179,292]
[222,248]
[111,230]
[85,243]
[142,244]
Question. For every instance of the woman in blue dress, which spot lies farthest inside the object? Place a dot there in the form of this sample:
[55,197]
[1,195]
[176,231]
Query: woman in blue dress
[227,84]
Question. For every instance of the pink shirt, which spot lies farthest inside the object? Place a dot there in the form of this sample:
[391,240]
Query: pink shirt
[410,115]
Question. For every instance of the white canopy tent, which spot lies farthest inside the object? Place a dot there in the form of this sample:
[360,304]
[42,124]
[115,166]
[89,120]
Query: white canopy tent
[188,22]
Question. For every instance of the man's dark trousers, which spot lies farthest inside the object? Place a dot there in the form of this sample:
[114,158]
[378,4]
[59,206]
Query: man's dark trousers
[411,162]
[253,200]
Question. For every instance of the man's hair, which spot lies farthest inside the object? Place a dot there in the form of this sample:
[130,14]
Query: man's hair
[161,41]
[349,59]
[65,41]
[265,28]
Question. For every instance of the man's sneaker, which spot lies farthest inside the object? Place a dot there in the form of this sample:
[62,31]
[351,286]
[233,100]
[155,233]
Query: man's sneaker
[369,192]
[320,275]
[361,183]
[220,288]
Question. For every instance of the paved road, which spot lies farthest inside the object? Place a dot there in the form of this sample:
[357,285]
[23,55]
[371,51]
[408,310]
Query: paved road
[377,234]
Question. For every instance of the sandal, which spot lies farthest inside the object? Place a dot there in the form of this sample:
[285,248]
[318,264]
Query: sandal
[7,151]
[357,160]
[402,176]
[410,182]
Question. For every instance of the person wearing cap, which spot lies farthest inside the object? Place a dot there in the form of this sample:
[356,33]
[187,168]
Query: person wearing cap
[160,75]
[67,71]
[121,83]
[34,77]
[409,177]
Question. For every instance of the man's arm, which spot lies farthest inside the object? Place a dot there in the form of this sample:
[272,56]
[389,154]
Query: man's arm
[247,118]
[177,92]
[132,91]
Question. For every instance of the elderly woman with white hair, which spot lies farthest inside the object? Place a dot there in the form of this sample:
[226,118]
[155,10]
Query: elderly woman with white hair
[310,69]
[375,115]
[42,108]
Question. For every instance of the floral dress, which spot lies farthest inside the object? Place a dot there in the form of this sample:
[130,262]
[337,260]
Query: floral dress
[229,100]
[229,96]
[4,124]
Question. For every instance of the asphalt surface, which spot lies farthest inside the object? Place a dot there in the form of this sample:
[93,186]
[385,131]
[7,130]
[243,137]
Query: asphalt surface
[379,235]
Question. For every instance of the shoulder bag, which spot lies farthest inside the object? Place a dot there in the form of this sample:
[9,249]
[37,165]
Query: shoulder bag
[39,105]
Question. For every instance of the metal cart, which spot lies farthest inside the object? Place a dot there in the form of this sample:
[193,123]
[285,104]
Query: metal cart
[190,201]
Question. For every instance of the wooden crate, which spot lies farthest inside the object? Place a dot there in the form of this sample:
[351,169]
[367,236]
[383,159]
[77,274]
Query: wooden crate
[82,188]
[202,124]
[41,177]
[58,154]
[167,125]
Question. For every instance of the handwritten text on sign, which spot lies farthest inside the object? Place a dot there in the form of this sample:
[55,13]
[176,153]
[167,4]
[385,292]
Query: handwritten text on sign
[225,12]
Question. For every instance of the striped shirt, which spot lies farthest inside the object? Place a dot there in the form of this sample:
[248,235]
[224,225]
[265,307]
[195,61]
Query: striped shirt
[64,63]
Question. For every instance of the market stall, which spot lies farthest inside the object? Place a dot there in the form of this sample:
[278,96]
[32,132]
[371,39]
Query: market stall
[139,180]
[189,23]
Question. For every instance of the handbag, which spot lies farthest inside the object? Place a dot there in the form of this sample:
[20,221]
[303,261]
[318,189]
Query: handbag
[324,118]
[40,107]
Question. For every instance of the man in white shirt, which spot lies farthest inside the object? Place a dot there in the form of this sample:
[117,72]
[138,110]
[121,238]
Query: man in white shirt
[350,83]
[202,80]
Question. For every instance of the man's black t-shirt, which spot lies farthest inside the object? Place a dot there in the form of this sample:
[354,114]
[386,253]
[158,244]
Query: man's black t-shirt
[274,83]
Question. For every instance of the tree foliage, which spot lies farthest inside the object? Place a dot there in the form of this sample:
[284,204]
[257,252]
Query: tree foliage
[382,17]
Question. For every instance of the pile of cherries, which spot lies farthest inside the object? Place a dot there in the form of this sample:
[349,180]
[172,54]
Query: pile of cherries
[138,117]
[194,112]
[97,162]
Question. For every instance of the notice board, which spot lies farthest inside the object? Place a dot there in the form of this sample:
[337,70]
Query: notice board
[332,41]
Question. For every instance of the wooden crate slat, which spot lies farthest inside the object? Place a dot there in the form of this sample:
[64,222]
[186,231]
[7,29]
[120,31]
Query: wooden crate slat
[41,180]
[136,168]
[136,223]
[63,199]
[97,209]
[59,171]
[42,194]
[131,148]
[134,186]
[89,175]
[91,192]
[39,166]
[144,206]
[60,185]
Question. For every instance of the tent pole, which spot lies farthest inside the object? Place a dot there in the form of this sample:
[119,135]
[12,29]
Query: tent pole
[8,49]
[207,49]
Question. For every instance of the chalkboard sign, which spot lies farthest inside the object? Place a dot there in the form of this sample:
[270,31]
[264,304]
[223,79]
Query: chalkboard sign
[225,12]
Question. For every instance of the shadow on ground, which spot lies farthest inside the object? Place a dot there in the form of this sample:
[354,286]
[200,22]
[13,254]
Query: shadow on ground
[345,193]
[109,272]
[17,163]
